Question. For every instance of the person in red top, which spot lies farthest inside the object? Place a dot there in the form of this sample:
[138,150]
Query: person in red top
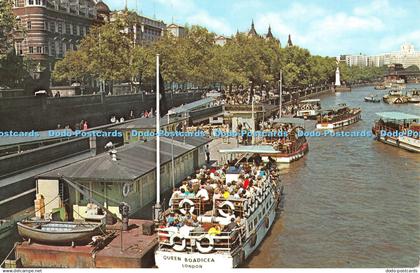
[246,183]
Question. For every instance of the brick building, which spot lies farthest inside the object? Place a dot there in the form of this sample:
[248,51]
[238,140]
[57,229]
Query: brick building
[47,29]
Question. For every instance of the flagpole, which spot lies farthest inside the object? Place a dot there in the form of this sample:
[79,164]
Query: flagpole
[281,92]
[157,208]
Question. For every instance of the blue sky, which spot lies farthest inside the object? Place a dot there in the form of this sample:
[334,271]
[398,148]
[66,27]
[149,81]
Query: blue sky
[325,27]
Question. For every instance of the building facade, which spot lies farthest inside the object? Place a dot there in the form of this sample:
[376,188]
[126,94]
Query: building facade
[145,30]
[407,56]
[176,30]
[47,29]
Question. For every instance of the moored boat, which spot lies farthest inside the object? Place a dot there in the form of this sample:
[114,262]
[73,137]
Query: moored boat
[308,109]
[380,87]
[55,232]
[398,129]
[414,96]
[372,98]
[338,117]
[222,232]
[395,96]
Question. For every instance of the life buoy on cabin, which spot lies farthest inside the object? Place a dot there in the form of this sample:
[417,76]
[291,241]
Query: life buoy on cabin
[126,189]
[226,203]
[181,206]
[267,221]
[175,246]
[208,248]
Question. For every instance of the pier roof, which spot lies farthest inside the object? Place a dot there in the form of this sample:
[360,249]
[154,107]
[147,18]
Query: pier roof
[145,123]
[191,106]
[133,161]
[397,115]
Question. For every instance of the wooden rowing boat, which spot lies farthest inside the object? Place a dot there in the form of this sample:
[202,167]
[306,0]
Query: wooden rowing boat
[51,232]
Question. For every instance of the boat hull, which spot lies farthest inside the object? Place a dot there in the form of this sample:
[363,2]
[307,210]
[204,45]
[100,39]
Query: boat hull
[288,158]
[57,237]
[368,99]
[186,260]
[403,142]
[339,124]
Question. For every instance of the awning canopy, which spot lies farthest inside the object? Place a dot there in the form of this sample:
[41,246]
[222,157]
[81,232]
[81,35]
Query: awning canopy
[397,116]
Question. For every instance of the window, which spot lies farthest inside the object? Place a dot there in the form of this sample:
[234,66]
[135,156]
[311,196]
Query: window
[60,27]
[46,25]
[74,30]
[29,25]
[68,29]
[18,48]
[46,51]
[38,2]
[78,30]
[52,26]
[38,49]
[31,49]
[16,3]
[30,2]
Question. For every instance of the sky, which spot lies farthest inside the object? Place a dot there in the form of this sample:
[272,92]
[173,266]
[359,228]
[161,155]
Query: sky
[324,27]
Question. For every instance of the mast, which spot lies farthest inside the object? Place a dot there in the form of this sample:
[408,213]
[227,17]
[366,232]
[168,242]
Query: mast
[281,92]
[157,207]
[253,121]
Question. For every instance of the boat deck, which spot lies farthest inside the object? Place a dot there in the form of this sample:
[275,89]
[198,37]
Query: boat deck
[131,250]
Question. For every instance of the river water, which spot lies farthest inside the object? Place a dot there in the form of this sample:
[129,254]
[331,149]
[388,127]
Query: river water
[351,202]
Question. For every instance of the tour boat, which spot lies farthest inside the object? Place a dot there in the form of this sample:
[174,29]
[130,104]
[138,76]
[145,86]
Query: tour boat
[380,87]
[55,232]
[398,129]
[308,109]
[395,96]
[414,96]
[372,98]
[204,247]
[338,117]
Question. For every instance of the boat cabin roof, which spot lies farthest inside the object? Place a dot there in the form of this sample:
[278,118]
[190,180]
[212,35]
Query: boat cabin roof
[310,101]
[397,116]
[296,121]
[256,149]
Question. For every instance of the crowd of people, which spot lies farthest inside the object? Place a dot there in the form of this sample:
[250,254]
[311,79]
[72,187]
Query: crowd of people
[211,187]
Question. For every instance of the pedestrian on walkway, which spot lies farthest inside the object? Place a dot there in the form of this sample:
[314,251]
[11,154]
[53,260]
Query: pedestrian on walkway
[207,150]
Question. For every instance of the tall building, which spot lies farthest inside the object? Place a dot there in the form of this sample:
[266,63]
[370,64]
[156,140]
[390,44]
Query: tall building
[221,40]
[145,30]
[176,30]
[47,29]
[407,56]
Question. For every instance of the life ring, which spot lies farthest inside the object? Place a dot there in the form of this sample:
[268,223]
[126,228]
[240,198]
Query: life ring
[177,247]
[253,239]
[226,203]
[207,249]
[181,206]
[126,189]
[267,221]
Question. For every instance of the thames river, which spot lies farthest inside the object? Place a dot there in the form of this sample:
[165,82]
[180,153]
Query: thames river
[351,202]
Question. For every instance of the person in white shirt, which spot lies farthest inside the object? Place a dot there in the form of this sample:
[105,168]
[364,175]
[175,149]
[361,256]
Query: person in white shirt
[204,195]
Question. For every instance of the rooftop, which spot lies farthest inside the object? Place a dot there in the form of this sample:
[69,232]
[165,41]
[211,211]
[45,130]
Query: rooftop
[133,161]
[397,116]
[145,123]
[191,106]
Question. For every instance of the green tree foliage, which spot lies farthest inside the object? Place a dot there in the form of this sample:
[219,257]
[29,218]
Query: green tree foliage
[7,24]
[108,52]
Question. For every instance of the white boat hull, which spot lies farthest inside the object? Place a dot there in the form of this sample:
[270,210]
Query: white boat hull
[403,142]
[171,260]
[338,124]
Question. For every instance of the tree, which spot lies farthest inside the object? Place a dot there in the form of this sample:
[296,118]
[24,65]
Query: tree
[7,24]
